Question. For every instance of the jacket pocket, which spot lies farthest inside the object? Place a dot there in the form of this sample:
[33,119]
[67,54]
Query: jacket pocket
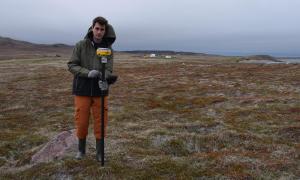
[82,85]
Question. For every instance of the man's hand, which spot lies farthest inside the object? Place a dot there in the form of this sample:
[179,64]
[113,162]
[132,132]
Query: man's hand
[94,74]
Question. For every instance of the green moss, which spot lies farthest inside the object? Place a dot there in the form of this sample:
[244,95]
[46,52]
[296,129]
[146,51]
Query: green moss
[140,142]
[128,114]
[175,147]
[182,104]
[199,117]
[20,145]
[2,162]
[160,132]
[39,171]
[168,168]
[236,171]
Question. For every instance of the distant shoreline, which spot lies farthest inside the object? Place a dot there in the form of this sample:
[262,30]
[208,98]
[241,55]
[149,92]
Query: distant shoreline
[7,44]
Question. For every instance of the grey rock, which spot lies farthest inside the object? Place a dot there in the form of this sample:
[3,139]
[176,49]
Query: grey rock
[56,147]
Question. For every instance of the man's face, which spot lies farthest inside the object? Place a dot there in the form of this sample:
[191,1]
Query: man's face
[98,31]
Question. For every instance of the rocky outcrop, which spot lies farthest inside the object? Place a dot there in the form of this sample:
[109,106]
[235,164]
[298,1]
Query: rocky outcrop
[56,147]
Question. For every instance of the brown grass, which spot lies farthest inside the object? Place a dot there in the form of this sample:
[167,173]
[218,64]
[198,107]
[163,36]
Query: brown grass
[184,118]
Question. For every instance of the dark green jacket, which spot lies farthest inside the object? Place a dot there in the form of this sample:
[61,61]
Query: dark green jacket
[84,59]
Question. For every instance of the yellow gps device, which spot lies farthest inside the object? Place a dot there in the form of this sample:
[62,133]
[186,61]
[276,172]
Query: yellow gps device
[102,52]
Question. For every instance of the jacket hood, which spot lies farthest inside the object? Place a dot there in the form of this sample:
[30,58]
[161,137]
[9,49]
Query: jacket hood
[109,36]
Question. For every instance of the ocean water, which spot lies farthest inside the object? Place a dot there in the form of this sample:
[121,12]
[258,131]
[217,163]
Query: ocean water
[290,60]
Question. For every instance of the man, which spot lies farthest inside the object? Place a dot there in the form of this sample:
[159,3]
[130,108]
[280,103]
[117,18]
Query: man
[86,68]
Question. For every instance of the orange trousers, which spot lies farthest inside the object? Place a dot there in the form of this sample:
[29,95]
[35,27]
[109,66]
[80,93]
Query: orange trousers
[83,106]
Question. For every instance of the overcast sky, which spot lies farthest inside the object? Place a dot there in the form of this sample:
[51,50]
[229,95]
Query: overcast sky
[229,27]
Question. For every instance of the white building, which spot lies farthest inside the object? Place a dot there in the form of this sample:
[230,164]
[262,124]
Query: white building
[152,55]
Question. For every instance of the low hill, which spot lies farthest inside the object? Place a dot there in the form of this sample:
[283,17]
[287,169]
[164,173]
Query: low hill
[6,42]
[260,57]
[16,49]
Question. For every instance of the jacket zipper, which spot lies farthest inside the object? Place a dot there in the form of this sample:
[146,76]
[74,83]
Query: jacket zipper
[91,87]
[93,67]
[76,83]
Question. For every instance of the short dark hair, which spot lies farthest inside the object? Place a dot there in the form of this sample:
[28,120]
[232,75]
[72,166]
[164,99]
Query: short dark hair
[101,20]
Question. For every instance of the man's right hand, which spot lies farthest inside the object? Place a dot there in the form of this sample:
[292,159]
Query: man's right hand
[94,74]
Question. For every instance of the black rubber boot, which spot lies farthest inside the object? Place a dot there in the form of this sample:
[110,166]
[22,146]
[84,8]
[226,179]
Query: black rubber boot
[81,148]
[98,150]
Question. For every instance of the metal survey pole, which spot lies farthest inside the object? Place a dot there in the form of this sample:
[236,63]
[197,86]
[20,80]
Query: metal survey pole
[103,53]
